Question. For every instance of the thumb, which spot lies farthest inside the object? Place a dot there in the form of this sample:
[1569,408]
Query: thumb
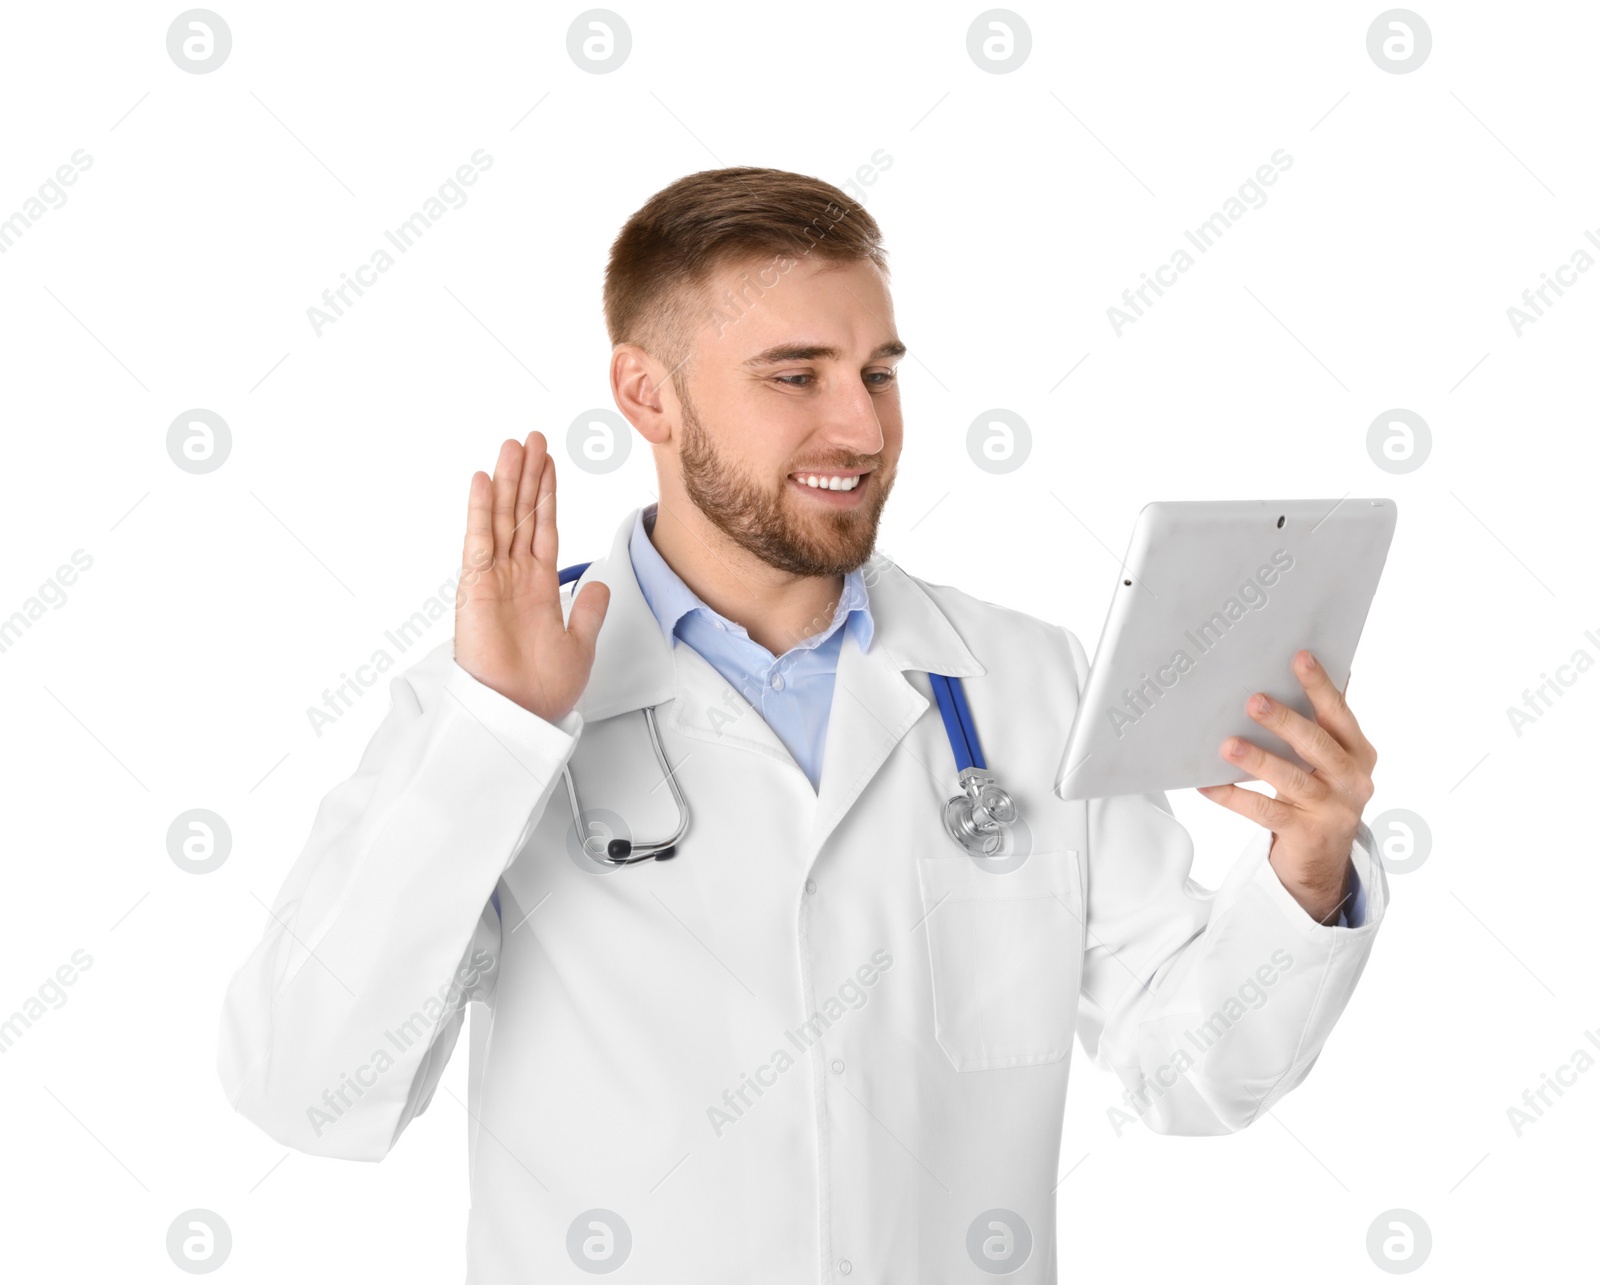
[588,611]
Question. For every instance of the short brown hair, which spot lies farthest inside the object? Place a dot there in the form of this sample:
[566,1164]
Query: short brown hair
[666,253]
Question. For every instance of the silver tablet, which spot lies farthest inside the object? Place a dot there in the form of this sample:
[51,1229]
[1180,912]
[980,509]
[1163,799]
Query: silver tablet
[1213,600]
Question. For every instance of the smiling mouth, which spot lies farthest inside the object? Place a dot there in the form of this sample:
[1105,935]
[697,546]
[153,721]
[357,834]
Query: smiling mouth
[830,480]
[832,490]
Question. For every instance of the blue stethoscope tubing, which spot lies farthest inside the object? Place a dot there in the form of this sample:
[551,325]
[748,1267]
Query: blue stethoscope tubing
[978,819]
[958,725]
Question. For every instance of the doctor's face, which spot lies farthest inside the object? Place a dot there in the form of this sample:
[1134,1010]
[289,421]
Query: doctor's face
[795,379]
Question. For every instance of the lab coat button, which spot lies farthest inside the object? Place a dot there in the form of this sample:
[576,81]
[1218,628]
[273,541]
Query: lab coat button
[838,1065]
[811,885]
[844,1267]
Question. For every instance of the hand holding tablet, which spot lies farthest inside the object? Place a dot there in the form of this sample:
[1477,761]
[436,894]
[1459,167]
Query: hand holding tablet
[1314,815]
[1214,603]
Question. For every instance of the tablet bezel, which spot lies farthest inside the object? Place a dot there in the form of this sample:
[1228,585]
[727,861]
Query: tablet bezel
[1189,552]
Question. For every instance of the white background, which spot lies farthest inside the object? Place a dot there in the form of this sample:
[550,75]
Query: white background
[1017,207]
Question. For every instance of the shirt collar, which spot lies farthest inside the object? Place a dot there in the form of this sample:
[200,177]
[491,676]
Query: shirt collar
[670,600]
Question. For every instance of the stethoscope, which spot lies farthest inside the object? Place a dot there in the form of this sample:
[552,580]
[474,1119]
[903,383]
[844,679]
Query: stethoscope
[977,819]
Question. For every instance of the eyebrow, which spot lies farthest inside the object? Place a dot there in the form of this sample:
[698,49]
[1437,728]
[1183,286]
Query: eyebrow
[784,353]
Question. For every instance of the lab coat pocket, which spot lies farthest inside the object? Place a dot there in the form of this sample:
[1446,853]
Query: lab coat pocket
[1006,956]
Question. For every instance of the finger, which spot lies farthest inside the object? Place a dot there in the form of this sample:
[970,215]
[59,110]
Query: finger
[477,551]
[544,517]
[1309,740]
[1329,704]
[588,611]
[1292,782]
[507,470]
[1273,814]
[527,493]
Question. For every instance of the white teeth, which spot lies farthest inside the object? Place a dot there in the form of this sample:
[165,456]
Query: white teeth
[829,484]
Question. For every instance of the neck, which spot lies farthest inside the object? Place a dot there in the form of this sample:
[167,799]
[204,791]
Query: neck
[777,609]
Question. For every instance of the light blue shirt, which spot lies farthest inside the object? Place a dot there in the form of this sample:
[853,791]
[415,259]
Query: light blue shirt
[792,692]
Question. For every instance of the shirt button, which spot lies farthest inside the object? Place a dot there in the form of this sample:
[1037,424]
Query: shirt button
[838,1065]
[777,682]
[844,1267]
[811,885]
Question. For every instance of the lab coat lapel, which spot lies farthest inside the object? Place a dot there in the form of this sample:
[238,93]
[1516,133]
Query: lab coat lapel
[874,704]
[635,666]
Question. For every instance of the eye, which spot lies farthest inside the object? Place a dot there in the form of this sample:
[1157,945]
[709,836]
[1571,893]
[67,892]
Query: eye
[876,379]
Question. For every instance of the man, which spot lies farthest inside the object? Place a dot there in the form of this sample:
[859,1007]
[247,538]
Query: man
[819,1041]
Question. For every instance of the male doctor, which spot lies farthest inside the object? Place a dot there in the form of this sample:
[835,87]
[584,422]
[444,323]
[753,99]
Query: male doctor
[819,1043]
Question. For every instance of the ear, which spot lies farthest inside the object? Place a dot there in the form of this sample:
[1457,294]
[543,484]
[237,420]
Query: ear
[643,393]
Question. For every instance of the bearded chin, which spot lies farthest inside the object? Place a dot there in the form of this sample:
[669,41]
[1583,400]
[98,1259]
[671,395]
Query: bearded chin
[770,524]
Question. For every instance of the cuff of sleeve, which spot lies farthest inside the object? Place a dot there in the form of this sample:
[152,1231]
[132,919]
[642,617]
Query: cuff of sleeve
[530,742]
[1364,909]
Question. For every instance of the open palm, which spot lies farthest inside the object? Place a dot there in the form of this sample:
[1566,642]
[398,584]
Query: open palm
[510,634]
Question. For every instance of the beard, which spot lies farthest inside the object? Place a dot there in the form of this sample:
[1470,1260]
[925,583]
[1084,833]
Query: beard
[768,524]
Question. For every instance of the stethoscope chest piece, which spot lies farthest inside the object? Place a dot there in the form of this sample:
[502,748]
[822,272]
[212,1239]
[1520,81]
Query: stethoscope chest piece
[977,820]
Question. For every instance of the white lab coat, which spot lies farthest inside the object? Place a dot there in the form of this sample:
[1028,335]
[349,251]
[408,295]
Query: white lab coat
[821,1041]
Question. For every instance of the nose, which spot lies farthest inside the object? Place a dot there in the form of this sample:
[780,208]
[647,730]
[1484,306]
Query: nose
[853,421]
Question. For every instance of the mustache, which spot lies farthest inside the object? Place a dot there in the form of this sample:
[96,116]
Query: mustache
[854,466]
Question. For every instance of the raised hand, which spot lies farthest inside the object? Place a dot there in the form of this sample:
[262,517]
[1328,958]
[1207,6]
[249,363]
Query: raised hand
[510,634]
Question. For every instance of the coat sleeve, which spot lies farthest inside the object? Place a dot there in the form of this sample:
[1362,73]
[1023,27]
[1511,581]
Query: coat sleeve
[1208,1005]
[337,1027]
